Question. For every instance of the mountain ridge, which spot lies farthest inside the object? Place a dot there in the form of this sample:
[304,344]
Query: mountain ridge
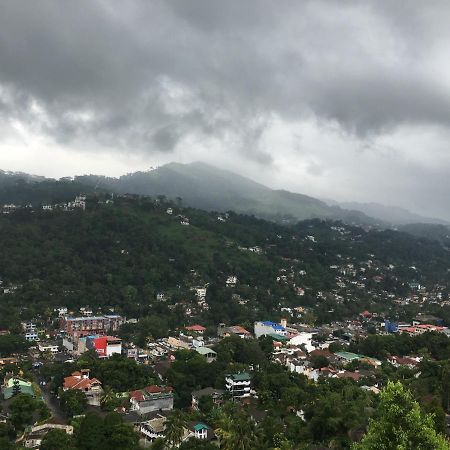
[207,187]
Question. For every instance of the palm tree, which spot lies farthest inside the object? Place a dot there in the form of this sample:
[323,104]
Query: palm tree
[175,426]
[238,433]
[225,431]
[107,396]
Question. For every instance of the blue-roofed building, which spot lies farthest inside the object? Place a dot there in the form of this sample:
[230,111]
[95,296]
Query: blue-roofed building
[390,327]
[267,327]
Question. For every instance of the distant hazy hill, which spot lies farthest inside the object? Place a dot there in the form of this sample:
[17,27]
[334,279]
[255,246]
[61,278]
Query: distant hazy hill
[10,178]
[207,187]
[391,214]
[22,189]
[436,232]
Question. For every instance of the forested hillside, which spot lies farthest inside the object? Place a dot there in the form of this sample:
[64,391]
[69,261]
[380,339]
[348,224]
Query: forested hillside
[122,254]
[18,190]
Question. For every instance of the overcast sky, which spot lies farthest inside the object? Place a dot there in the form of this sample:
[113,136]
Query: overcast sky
[341,99]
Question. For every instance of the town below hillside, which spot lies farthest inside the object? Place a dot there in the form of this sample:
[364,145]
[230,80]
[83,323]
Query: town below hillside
[132,322]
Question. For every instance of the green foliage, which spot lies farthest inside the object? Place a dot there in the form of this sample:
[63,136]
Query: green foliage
[73,402]
[23,190]
[90,434]
[206,404]
[117,373]
[236,430]
[57,440]
[122,374]
[110,432]
[379,346]
[6,444]
[7,431]
[195,444]
[11,344]
[400,424]
[121,255]
[16,387]
[22,409]
[319,361]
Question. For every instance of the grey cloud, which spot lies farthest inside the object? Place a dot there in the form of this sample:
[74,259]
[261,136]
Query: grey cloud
[166,138]
[248,58]
[148,76]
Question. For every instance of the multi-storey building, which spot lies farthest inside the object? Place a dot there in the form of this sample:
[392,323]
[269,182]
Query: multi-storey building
[78,327]
[30,331]
[239,385]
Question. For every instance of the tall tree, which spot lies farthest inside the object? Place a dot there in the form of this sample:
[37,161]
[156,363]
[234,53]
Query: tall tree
[175,425]
[73,402]
[57,440]
[401,425]
[16,388]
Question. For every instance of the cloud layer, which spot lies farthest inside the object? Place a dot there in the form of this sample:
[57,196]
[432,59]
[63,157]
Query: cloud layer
[340,99]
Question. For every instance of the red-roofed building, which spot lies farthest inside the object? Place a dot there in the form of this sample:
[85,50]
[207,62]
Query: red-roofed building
[409,330]
[321,352]
[196,328]
[405,361]
[91,387]
[346,374]
[151,398]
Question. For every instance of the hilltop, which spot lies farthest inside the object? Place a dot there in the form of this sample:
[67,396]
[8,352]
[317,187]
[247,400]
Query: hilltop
[206,187]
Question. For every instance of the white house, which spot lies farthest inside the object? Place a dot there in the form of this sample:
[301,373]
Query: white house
[231,281]
[46,347]
[303,339]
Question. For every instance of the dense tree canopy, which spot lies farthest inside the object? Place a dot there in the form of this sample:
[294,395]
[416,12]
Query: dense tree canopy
[400,424]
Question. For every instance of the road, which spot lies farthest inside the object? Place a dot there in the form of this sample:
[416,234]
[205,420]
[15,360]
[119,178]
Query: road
[51,401]
[53,404]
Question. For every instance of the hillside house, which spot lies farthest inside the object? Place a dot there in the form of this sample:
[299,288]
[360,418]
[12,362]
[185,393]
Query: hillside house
[91,387]
[153,429]
[223,331]
[150,399]
[210,355]
[215,394]
[239,385]
[266,328]
[231,281]
[196,328]
[34,436]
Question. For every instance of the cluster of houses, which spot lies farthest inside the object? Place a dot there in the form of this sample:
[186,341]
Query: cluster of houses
[296,347]
[78,203]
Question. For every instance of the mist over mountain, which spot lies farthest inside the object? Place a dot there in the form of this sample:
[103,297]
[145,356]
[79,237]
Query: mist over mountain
[391,214]
[207,187]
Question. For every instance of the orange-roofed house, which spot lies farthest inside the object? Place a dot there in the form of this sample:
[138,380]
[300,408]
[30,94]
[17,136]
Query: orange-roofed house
[91,387]
[196,328]
[223,331]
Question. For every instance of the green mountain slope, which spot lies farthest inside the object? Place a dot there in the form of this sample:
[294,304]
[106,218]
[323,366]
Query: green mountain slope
[207,187]
[121,255]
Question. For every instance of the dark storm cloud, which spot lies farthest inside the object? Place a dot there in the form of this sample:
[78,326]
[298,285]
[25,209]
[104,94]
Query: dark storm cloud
[149,77]
[233,59]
